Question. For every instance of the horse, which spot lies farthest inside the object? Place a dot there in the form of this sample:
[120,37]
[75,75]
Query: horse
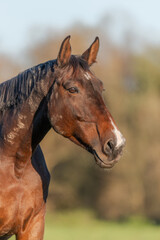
[63,94]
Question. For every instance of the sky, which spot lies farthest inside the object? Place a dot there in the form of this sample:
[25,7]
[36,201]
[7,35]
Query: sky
[19,17]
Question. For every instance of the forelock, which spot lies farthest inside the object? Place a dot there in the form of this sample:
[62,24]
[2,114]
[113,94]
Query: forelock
[77,62]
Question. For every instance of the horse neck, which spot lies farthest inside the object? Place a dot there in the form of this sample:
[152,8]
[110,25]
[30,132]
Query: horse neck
[41,124]
[24,126]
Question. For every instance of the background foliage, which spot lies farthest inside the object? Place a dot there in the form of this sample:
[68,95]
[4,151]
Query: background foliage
[131,77]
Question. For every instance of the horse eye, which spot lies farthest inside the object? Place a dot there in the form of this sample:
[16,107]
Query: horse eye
[73,90]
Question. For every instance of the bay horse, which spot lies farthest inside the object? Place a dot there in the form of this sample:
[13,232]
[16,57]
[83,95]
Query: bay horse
[62,94]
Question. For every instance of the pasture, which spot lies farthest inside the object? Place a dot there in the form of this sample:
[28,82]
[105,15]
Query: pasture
[82,224]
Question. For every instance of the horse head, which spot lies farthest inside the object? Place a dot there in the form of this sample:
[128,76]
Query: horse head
[76,108]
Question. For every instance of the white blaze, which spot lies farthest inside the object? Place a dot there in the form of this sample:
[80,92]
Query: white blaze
[119,137]
[87,76]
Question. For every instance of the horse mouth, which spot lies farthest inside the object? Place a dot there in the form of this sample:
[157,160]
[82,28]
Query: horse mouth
[101,159]
[108,162]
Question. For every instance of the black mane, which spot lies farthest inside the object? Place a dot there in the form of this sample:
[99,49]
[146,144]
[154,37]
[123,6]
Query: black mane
[17,89]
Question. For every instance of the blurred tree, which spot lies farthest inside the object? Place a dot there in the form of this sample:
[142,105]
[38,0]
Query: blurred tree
[8,68]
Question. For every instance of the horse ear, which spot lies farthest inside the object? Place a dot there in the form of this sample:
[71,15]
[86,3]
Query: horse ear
[64,52]
[90,54]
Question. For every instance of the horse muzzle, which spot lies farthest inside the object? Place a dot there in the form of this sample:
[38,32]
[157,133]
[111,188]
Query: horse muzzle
[110,155]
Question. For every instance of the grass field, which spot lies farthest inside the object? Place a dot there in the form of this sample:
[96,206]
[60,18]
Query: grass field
[82,224]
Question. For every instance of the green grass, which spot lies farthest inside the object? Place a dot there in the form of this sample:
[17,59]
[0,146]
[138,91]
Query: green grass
[82,224]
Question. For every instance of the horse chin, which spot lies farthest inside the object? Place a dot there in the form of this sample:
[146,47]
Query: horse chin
[105,161]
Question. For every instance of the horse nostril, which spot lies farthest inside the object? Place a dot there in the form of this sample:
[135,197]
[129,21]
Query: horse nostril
[109,147]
